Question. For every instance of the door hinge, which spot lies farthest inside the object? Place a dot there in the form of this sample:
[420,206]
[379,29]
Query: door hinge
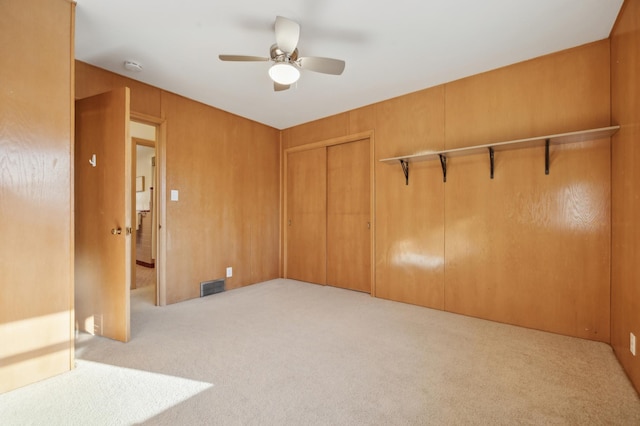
[128,230]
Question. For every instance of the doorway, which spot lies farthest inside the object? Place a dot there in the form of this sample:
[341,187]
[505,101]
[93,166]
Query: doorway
[105,213]
[144,137]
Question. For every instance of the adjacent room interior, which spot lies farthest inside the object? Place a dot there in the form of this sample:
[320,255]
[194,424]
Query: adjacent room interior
[508,196]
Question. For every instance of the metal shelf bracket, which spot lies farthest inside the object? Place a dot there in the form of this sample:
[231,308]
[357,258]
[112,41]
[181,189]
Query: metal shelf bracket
[546,157]
[443,163]
[491,155]
[405,169]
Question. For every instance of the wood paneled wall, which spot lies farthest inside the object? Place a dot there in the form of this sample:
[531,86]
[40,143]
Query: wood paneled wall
[625,105]
[409,240]
[92,80]
[36,202]
[523,248]
[526,248]
[226,169]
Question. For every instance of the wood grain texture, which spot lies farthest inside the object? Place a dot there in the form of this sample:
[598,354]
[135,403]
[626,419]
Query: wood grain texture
[36,202]
[314,131]
[103,201]
[530,249]
[525,248]
[226,170]
[409,236]
[91,80]
[625,268]
[410,123]
[362,119]
[306,216]
[262,197]
[557,93]
[348,216]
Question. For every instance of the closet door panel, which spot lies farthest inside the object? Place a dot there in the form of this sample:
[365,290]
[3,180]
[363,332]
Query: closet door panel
[306,250]
[349,216]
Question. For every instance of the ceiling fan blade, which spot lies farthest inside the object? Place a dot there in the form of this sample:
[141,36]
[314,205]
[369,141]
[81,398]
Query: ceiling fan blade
[242,58]
[323,65]
[277,87]
[287,34]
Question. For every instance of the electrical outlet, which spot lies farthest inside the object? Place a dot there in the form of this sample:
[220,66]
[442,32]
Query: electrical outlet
[229,272]
[632,343]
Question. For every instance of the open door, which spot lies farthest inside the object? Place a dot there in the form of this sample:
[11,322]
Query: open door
[103,214]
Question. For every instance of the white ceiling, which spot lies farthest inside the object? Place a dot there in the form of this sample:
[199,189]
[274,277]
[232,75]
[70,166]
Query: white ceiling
[391,47]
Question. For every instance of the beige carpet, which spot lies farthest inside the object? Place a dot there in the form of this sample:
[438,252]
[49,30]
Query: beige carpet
[289,353]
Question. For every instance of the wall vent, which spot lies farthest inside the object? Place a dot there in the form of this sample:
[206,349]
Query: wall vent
[211,287]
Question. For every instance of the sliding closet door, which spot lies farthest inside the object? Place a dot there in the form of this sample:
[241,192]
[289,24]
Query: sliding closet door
[348,216]
[306,250]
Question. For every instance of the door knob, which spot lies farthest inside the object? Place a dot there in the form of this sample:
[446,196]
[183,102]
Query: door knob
[116,231]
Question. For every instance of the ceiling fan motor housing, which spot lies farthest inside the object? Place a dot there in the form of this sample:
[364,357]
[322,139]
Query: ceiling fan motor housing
[278,55]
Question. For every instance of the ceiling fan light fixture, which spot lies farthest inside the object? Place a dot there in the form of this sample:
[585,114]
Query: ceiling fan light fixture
[284,73]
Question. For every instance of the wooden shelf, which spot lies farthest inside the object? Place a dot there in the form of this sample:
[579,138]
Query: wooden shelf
[546,141]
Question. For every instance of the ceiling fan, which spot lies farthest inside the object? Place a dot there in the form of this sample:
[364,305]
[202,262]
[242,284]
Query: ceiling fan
[287,63]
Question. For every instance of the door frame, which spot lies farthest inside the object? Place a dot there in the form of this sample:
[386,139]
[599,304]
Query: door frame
[324,144]
[161,179]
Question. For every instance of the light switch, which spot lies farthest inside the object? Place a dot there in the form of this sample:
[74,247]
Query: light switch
[174,195]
